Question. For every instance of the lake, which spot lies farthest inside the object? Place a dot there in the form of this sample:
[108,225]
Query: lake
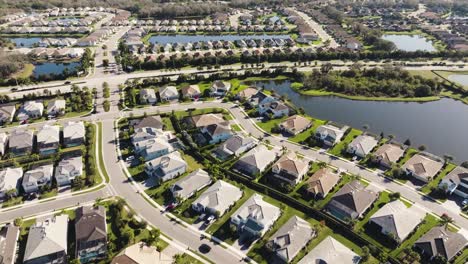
[54,68]
[410,42]
[25,42]
[442,126]
[171,39]
[459,78]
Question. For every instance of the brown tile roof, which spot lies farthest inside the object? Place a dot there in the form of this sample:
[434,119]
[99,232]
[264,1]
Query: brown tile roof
[90,223]
[291,163]
[423,165]
[440,241]
[207,119]
[296,123]
[248,92]
[390,152]
[322,181]
[354,198]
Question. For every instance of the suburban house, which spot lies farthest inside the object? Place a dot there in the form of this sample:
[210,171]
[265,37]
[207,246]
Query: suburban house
[388,154]
[189,185]
[440,241]
[260,98]
[8,243]
[74,134]
[150,121]
[423,166]
[140,253]
[153,148]
[235,145]
[168,93]
[276,109]
[30,110]
[351,201]
[56,107]
[255,216]
[3,143]
[48,139]
[295,124]
[256,160]
[396,220]
[247,93]
[456,182]
[217,199]
[220,88]
[191,92]
[291,238]
[7,112]
[331,250]
[38,177]
[290,168]
[330,134]
[322,182]
[148,96]
[362,145]
[145,133]
[21,142]
[68,169]
[199,121]
[166,167]
[216,133]
[47,241]
[91,233]
[10,180]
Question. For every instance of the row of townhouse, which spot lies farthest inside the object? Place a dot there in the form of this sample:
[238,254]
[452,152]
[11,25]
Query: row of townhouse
[96,37]
[11,179]
[56,53]
[21,142]
[31,110]
[48,238]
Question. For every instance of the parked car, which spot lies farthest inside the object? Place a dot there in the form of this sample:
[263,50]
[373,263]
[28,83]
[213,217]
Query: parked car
[209,220]
[204,248]
[201,217]
[465,202]
[130,158]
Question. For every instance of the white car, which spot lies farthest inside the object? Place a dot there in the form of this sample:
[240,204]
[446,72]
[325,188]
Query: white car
[130,158]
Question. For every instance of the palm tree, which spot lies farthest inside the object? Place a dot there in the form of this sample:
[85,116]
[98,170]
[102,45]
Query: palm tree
[446,220]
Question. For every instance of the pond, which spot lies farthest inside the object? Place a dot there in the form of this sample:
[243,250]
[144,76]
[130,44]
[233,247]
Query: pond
[55,68]
[459,78]
[171,39]
[25,42]
[441,126]
[410,42]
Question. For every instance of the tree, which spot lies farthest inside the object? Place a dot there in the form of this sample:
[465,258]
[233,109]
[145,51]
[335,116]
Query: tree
[439,260]
[465,164]
[422,148]
[407,142]
[446,220]
[18,222]
[105,62]
[365,253]
[394,196]
[153,236]
[128,236]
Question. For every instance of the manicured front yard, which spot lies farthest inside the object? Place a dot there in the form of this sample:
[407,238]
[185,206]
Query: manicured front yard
[339,148]
[186,259]
[270,124]
[304,135]
[435,182]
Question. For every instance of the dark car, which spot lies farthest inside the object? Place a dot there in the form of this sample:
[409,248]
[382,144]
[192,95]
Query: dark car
[204,248]
[67,82]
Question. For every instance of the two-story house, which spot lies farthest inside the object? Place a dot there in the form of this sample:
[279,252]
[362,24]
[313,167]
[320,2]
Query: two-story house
[456,182]
[166,167]
[48,139]
[90,233]
[74,134]
[290,168]
[34,179]
[21,142]
[68,169]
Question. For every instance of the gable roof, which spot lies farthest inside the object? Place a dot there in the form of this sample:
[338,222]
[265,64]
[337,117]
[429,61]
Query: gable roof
[168,162]
[248,92]
[331,131]
[44,171]
[397,219]
[258,157]
[90,223]
[168,91]
[207,119]
[353,198]
[256,208]
[219,196]
[291,163]
[296,123]
[139,253]
[190,90]
[234,143]
[48,134]
[68,165]
[390,153]
[21,139]
[9,178]
[192,182]
[150,121]
[322,181]
[364,143]
[74,130]
[440,241]
[291,237]
[423,165]
[458,175]
[8,243]
[47,237]
[330,251]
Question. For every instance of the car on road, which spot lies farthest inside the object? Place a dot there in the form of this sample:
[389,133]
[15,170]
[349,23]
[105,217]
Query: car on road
[67,82]
[204,248]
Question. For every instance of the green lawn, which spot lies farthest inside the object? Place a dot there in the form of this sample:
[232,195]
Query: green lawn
[48,194]
[186,259]
[270,124]
[236,127]
[435,182]
[191,162]
[409,153]
[462,258]
[381,201]
[161,194]
[12,202]
[304,135]
[339,148]
[25,72]
[167,123]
